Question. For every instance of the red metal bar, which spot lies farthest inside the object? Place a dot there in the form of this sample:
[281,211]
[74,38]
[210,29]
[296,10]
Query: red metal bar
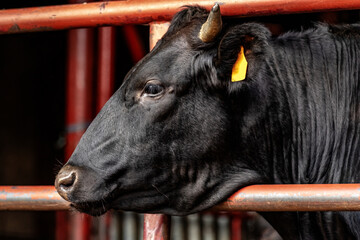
[62,225]
[292,197]
[146,11]
[236,226]
[79,102]
[105,88]
[106,65]
[39,198]
[134,43]
[156,227]
[79,113]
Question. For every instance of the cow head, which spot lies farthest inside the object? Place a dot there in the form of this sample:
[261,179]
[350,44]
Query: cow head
[170,139]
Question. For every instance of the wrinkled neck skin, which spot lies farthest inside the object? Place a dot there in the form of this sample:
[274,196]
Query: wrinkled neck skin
[307,121]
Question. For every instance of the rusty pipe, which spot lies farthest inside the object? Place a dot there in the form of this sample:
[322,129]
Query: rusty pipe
[38,198]
[294,197]
[291,197]
[145,11]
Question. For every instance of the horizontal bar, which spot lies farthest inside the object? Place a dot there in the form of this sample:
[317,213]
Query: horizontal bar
[145,11]
[294,197]
[37,198]
[291,197]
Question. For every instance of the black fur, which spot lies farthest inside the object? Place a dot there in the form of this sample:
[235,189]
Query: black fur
[294,119]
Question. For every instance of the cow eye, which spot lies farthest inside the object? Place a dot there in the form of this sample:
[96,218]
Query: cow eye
[153,90]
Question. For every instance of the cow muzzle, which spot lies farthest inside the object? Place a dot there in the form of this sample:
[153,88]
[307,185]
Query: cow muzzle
[66,180]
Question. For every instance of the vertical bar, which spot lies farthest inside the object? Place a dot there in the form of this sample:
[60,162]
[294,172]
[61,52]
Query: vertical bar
[79,108]
[140,226]
[115,230]
[80,226]
[129,226]
[61,229]
[177,228]
[78,115]
[193,227]
[106,65]
[157,30]
[134,42]
[79,86]
[156,226]
[223,224]
[236,224]
[208,227]
[105,88]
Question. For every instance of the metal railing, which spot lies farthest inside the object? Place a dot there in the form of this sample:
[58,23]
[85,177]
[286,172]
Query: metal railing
[338,197]
[289,197]
[96,14]
[307,197]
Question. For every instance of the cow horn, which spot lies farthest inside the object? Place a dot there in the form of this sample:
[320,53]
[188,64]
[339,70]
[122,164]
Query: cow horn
[211,28]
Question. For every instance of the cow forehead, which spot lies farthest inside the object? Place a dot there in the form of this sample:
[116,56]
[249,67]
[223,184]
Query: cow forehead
[170,52]
[165,63]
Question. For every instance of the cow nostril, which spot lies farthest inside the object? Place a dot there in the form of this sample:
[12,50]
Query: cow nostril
[67,181]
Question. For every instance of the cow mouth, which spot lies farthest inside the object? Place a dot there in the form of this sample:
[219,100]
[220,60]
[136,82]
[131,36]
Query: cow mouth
[95,208]
[92,208]
[122,201]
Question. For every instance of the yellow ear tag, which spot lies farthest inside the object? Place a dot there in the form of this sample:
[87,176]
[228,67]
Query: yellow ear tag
[240,67]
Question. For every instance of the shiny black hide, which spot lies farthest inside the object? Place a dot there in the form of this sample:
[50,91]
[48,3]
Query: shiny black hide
[179,137]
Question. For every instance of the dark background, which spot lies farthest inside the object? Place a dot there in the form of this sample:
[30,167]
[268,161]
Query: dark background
[32,104]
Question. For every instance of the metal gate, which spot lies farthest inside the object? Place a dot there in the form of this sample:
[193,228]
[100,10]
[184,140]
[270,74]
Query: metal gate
[337,197]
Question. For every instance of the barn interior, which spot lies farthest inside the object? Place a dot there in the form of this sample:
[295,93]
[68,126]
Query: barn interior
[32,120]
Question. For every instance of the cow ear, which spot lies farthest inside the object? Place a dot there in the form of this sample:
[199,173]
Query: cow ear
[241,52]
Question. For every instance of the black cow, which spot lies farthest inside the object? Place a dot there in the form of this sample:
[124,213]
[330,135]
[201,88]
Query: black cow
[179,136]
